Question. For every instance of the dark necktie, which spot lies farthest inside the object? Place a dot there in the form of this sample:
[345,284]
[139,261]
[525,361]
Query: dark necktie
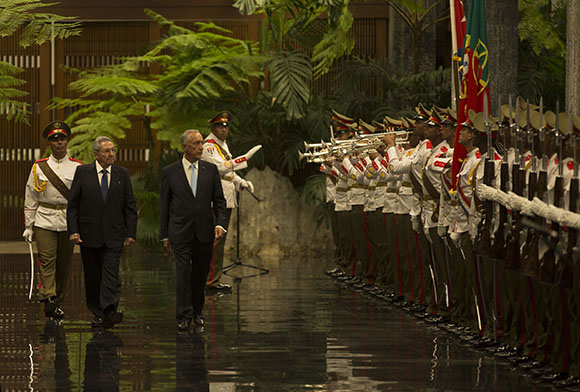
[104,184]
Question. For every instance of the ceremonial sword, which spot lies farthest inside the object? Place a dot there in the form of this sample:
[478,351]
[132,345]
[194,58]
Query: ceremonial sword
[31,269]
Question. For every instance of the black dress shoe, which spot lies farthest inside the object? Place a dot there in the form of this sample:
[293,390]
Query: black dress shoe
[58,314]
[183,326]
[570,382]
[532,365]
[110,320]
[555,376]
[332,271]
[417,308]
[199,320]
[97,322]
[537,373]
[49,307]
[220,287]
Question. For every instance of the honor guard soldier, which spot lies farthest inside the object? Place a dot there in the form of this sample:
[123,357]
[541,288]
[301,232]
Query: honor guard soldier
[216,151]
[45,207]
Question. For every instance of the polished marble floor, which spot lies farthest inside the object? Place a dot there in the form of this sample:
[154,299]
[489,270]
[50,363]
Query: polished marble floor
[290,330]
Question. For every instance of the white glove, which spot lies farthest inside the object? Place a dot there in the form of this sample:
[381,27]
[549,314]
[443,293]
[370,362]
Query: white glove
[415,223]
[455,237]
[441,231]
[241,162]
[252,151]
[27,235]
[247,184]
[427,235]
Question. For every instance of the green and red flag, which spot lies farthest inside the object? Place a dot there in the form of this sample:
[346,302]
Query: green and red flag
[474,75]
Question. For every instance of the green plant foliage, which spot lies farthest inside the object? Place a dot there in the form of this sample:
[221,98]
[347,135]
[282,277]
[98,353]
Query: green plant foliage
[335,43]
[291,75]
[32,28]
[543,25]
[290,28]
[314,193]
[542,51]
[396,91]
[10,94]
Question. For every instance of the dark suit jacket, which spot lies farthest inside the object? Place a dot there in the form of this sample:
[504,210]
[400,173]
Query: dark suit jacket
[102,222]
[182,214]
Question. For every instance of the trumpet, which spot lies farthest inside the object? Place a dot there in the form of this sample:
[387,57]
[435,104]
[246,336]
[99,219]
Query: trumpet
[323,144]
[402,136]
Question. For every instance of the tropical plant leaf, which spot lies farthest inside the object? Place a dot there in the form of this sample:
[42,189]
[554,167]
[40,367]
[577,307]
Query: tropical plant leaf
[337,42]
[34,28]
[291,75]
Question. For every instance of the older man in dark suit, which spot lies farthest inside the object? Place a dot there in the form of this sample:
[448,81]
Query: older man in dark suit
[102,219]
[193,215]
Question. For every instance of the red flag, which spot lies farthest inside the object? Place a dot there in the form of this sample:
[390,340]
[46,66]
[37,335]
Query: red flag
[474,80]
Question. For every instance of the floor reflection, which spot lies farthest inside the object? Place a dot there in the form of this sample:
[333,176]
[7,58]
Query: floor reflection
[290,330]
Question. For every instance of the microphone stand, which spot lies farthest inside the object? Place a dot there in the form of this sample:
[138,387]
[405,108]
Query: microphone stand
[238,261]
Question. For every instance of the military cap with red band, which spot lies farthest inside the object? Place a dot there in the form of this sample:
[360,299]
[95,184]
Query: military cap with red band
[222,118]
[341,118]
[422,113]
[435,119]
[56,128]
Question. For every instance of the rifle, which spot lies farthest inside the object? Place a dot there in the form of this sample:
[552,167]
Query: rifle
[565,272]
[530,249]
[512,251]
[483,240]
[547,273]
[499,240]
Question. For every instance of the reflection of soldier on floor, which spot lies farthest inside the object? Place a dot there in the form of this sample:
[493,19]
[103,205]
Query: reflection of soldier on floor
[45,206]
[54,361]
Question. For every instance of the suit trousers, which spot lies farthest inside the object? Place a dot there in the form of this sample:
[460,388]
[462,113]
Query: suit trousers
[192,263]
[217,261]
[55,254]
[102,282]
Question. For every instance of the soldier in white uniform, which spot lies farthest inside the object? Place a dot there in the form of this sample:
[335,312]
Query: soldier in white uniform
[45,206]
[216,151]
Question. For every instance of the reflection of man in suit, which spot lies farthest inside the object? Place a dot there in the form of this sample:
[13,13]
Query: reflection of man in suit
[102,362]
[191,198]
[191,373]
[102,219]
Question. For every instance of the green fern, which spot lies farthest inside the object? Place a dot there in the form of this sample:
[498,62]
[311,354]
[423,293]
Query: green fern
[291,75]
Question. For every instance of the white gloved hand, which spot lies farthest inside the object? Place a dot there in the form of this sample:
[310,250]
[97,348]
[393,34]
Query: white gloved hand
[455,237]
[27,234]
[415,223]
[252,151]
[427,235]
[246,185]
[442,231]
[241,162]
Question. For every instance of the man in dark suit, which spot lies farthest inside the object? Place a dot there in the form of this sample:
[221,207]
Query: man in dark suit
[193,214]
[102,219]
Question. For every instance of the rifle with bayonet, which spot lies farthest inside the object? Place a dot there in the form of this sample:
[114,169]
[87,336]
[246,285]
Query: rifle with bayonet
[512,251]
[565,270]
[547,272]
[483,239]
[498,247]
[530,249]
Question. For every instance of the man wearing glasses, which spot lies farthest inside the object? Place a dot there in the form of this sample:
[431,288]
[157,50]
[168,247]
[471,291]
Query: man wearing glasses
[102,219]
